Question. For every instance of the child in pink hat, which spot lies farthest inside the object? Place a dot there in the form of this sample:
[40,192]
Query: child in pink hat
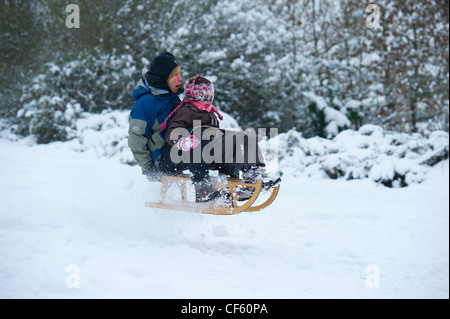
[185,133]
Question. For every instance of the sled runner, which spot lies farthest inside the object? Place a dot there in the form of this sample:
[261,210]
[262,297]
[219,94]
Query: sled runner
[227,204]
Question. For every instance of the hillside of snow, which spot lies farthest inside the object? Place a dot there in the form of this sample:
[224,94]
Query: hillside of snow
[73,223]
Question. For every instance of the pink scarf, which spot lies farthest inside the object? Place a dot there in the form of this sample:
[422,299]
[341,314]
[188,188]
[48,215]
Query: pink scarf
[198,105]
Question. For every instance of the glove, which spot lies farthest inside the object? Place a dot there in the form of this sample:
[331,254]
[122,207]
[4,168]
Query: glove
[152,173]
[188,143]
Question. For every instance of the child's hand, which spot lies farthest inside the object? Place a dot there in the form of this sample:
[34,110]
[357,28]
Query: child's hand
[188,143]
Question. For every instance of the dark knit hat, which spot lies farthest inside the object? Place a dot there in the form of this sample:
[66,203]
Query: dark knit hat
[162,65]
[200,89]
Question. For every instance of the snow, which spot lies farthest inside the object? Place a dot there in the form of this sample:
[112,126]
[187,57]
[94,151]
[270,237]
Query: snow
[73,225]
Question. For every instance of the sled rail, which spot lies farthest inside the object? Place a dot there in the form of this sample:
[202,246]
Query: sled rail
[217,207]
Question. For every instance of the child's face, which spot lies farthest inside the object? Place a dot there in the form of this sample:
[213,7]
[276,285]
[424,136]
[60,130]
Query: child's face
[175,81]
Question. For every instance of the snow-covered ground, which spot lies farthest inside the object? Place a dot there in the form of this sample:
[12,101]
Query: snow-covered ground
[73,225]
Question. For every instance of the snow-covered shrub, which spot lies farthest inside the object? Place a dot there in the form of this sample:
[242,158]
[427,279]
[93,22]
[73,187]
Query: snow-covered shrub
[55,99]
[106,134]
[393,159]
[46,113]
[390,158]
[327,120]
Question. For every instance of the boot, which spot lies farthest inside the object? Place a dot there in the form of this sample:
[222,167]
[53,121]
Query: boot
[205,192]
[253,174]
[244,192]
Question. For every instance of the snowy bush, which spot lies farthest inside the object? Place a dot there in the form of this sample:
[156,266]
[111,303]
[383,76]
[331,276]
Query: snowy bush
[46,114]
[54,100]
[106,134]
[328,120]
[390,158]
[393,159]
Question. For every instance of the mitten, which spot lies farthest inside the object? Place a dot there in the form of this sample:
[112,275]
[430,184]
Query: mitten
[188,143]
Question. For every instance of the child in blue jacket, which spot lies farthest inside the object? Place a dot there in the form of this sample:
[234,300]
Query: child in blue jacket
[155,98]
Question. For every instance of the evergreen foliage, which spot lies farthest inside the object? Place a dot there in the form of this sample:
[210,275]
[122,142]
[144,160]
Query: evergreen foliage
[310,65]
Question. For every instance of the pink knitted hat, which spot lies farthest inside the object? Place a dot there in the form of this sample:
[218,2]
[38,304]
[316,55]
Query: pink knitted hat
[200,89]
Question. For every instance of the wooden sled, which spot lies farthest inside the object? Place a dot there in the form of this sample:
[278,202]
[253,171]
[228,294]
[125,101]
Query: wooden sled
[216,207]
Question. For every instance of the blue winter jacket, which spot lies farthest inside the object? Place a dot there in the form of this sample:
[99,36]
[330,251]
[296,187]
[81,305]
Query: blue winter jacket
[146,139]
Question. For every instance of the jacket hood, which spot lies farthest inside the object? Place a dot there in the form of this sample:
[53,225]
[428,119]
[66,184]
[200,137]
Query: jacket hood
[156,81]
[141,90]
[144,88]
